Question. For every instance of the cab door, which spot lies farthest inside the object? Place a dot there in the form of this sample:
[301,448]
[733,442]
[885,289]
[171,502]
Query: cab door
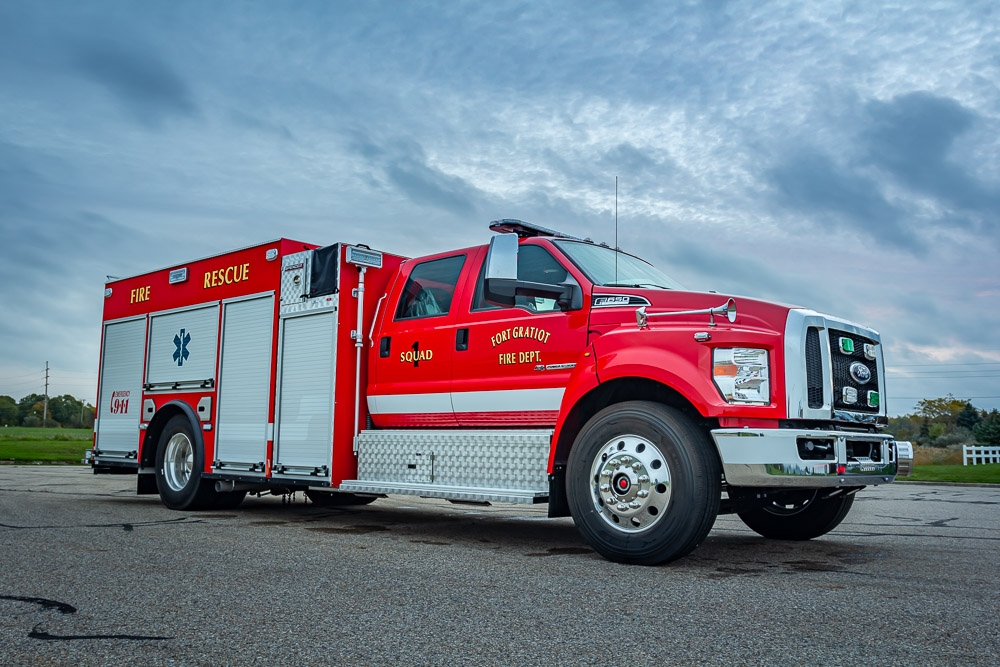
[511,365]
[413,351]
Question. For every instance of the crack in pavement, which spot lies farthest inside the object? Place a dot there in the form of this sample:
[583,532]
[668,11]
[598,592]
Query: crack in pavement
[38,632]
[61,607]
[127,527]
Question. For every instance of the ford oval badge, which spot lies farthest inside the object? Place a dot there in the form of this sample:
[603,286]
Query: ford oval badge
[860,373]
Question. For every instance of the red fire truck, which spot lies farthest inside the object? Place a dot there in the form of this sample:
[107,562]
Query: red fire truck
[541,368]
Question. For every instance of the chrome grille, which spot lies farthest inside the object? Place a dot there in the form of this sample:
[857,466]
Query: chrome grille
[841,362]
[814,368]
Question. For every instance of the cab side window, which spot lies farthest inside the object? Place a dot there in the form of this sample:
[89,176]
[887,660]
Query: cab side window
[430,288]
[536,264]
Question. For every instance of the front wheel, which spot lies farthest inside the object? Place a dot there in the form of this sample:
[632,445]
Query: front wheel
[643,483]
[797,515]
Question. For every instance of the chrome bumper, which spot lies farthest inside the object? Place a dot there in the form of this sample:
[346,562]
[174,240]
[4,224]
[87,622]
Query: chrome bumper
[810,459]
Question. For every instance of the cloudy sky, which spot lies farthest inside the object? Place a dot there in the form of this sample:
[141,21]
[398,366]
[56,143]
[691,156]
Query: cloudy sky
[843,156]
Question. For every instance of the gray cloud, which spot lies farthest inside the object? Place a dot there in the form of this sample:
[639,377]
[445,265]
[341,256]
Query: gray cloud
[912,136]
[826,194]
[145,85]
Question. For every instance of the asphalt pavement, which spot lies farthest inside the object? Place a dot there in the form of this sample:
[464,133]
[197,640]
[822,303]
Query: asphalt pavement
[92,574]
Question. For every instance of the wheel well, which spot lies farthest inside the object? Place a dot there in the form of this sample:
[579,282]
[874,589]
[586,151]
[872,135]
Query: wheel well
[619,391]
[147,458]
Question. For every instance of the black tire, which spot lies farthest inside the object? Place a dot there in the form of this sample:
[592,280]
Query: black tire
[655,462]
[180,458]
[798,515]
[327,499]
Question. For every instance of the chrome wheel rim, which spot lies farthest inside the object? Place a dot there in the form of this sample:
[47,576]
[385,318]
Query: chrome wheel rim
[178,462]
[631,484]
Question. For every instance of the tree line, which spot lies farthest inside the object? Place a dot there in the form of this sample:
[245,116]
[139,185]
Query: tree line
[64,411]
[941,422]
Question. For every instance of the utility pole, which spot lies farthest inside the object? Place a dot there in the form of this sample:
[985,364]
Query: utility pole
[45,410]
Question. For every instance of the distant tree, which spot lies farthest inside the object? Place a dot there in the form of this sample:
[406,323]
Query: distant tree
[26,407]
[65,411]
[925,428]
[944,409]
[904,427]
[9,415]
[987,432]
[968,417]
[68,411]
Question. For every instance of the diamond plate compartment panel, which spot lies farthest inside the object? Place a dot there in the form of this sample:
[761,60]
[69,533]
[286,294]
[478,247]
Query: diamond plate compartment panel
[295,283]
[512,460]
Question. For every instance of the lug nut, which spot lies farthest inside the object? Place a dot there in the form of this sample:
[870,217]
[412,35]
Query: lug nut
[605,487]
[622,507]
[643,479]
[635,504]
[636,466]
[642,493]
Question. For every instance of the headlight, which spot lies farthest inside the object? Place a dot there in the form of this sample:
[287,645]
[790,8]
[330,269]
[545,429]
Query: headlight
[742,375]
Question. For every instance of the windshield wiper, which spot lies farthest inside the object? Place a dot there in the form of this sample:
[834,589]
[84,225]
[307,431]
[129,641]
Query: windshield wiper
[634,285]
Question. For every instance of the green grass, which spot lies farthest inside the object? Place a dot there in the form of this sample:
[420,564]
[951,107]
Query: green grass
[50,445]
[980,474]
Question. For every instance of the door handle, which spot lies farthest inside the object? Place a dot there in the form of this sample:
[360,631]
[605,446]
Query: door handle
[462,339]
[383,346]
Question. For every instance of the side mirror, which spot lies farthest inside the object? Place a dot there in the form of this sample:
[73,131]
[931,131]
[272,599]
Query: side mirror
[502,286]
[571,297]
[501,270]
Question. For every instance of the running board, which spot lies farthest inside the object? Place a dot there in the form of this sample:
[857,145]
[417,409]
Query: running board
[508,466]
[447,492]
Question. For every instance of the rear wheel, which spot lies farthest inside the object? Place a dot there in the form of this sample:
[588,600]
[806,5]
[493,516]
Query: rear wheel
[179,462]
[798,515]
[643,483]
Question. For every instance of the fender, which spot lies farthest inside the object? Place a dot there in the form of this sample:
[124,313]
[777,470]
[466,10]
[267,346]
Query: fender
[581,382]
[162,416]
[671,357]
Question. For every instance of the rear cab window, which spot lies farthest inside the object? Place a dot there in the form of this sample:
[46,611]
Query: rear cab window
[430,289]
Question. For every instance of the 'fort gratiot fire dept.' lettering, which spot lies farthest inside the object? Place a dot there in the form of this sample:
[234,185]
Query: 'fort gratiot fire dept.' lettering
[534,333]
[227,276]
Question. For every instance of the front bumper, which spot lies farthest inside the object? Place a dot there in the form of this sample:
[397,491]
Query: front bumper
[810,459]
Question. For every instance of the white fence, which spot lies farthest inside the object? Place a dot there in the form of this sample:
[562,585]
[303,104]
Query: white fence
[980,454]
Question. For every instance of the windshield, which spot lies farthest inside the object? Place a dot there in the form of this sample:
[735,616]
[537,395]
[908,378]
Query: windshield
[598,262]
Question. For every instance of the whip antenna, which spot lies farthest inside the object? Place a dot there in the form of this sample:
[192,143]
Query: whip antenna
[616,229]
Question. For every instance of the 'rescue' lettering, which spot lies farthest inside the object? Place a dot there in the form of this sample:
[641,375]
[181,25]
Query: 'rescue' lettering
[534,333]
[228,276]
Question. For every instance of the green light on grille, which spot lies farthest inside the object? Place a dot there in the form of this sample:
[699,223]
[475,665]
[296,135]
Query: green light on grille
[873,399]
[846,345]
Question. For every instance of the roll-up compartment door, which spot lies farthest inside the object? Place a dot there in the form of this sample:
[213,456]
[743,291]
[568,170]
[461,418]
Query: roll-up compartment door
[244,385]
[121,389]
[304,439]
[183,346]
